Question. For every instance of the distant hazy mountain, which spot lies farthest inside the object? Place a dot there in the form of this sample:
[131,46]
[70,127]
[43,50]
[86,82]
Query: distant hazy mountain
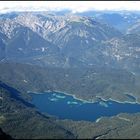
[134,29]
[27,43]
[37,36]
[70,40]
[121,20]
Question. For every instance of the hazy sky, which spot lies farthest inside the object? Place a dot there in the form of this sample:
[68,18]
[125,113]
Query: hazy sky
[75,6]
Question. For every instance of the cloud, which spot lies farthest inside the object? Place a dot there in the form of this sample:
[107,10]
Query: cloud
[75,6]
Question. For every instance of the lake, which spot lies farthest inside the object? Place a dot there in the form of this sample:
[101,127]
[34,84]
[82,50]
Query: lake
[67,107]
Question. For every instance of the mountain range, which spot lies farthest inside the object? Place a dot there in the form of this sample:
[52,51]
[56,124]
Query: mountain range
[69,40]
[89,54]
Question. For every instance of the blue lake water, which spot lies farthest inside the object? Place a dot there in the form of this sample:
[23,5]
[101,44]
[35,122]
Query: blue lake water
[66,107]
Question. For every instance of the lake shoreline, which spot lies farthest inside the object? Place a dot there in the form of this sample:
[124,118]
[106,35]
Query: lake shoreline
[106,100]
[83,100]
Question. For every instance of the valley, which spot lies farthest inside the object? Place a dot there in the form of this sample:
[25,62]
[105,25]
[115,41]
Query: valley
[85,65]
